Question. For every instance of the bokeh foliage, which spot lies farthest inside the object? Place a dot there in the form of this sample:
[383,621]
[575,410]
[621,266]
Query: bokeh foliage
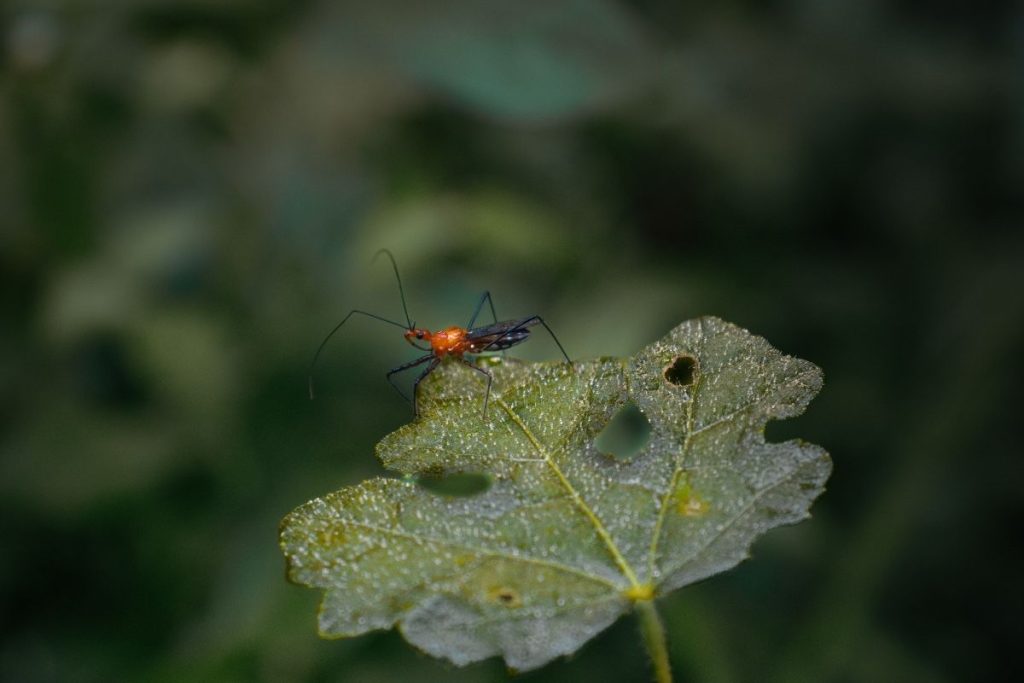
[191,192]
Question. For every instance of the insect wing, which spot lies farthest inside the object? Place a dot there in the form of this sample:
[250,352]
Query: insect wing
[499,335]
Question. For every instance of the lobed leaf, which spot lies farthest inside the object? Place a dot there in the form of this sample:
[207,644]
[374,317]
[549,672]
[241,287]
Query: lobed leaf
[565,538]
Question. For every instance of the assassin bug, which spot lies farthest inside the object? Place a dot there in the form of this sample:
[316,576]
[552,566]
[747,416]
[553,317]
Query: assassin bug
[452,341]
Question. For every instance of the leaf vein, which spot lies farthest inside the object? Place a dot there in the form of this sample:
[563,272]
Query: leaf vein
[574,495]
[426,540]
[652,557]
[744,511]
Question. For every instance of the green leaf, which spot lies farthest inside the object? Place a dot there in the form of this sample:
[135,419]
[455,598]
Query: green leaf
[566,538]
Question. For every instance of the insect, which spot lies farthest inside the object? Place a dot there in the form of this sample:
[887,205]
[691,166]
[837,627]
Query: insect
[454,342]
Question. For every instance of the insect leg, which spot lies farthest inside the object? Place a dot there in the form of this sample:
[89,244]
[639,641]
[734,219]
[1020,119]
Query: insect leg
[485,373]
[523,325]
[557,343]
[406,366]
[486,296]
[331,334]
[416,384]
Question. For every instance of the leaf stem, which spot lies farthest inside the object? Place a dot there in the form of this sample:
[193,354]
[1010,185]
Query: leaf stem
[654,639]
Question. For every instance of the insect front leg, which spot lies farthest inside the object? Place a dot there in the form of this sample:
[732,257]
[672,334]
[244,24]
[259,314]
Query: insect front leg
[416,384]
[408,366]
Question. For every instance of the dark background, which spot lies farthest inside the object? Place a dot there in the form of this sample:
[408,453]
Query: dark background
[190,194]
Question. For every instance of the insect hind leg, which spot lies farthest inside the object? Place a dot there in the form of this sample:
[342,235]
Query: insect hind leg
[526,323]
[553,337]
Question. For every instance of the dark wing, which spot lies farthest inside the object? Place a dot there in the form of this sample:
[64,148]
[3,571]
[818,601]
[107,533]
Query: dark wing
[501,335]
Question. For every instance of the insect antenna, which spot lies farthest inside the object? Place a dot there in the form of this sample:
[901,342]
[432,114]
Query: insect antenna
[401,290]
[330,334]
[401,293]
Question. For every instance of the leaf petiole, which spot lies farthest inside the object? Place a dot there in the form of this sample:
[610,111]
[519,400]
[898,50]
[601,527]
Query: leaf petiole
[654,639]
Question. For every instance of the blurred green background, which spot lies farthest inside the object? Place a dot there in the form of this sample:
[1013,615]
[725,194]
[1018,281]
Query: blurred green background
[191,193]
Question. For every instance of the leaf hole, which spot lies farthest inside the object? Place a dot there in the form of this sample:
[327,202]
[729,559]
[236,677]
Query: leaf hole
[778,431]
[505,596]
[626,434]
[455,485]
[681,371]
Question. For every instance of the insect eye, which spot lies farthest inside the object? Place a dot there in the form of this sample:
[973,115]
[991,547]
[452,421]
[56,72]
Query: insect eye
[419,335]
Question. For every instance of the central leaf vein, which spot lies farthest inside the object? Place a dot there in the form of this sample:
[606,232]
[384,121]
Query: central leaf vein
[691,411]
[574,495]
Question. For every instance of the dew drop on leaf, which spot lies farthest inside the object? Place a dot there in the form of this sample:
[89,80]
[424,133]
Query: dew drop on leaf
[563,539]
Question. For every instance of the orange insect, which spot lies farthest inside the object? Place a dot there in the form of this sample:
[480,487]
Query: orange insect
[452,341]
